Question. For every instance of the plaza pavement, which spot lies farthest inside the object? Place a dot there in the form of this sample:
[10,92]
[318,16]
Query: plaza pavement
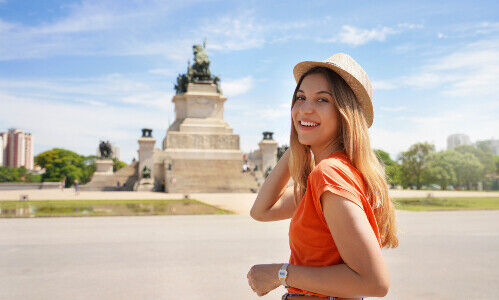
[442,255]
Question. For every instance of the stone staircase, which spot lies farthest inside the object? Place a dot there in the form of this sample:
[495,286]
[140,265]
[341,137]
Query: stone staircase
[126,176]
[211,176]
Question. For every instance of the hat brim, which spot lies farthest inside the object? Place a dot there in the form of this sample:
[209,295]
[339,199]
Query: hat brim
[358,89]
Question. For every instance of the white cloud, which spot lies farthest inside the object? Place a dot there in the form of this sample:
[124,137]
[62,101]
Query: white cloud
[78,126]
[472,70]
[273,113]
[112,89]
[383,85]
[95,28]
[234,87]
[234,32]
[356,36]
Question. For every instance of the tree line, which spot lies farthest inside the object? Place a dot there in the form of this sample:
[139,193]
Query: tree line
[58,164]
[464,167]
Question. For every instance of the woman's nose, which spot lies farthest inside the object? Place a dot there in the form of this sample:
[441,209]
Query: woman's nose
[307,107]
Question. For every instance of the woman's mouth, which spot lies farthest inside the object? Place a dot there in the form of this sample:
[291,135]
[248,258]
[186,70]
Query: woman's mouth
[308,125]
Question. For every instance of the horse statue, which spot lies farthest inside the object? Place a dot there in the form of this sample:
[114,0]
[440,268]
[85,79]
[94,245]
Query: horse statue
[105,149]
[199,71]
[201,66]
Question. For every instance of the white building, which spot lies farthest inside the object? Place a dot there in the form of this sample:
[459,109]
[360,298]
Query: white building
[493,144]
[455,140]
[17,149]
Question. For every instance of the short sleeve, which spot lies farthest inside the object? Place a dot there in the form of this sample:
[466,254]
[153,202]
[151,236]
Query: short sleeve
[332,178]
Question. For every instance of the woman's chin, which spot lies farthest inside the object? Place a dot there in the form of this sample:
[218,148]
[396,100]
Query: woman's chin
[304,143]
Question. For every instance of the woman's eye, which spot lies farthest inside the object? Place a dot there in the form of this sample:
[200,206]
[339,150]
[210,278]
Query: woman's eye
[324,99]
[300,98]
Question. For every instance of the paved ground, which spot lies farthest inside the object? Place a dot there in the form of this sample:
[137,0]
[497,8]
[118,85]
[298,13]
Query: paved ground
[239,203]
[442,255]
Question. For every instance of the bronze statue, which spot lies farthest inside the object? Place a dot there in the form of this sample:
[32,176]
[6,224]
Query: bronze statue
[198,72]
[146,172]
[106,150]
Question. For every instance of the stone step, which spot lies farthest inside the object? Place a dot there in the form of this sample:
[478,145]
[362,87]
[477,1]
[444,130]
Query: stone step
[126,176]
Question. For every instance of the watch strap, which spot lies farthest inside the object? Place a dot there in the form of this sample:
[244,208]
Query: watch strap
[283,275]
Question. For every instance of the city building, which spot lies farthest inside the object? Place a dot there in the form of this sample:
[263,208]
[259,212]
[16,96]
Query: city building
[458,139]
[492,144]
[17,148]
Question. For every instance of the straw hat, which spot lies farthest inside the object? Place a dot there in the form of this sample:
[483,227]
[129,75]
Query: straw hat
[351,72]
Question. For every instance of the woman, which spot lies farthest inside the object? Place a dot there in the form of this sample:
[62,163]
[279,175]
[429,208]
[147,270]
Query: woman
[344,216]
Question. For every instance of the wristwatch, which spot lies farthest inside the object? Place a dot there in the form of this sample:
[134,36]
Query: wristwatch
[283,274]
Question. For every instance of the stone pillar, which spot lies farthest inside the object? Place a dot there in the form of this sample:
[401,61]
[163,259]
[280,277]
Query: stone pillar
[146,162]
[268,150]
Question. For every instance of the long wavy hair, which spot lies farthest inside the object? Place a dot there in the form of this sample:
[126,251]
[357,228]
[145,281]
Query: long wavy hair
[353,138]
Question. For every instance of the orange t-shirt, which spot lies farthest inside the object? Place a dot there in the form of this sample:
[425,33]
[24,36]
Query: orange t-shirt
[310,240]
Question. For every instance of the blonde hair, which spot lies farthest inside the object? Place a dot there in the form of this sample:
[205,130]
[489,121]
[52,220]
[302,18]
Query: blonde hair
[353,138]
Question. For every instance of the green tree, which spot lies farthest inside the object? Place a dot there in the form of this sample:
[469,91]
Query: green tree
[413,163]
[118,164]
[392,168]
[469,171]
[483,154]
[61,162]
[441,168]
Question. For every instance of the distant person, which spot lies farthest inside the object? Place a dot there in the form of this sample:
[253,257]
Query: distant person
[77,185]
[118,185]
[337,234]
[63,183]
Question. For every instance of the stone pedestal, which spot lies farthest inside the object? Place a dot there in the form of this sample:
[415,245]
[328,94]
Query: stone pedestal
[104,167]
[145,185]
[268,150]
[146,161]
[199,130]
[200,151]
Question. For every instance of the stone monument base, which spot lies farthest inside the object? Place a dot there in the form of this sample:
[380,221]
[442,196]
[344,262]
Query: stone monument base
[209,176]
[104,167]
[144,185]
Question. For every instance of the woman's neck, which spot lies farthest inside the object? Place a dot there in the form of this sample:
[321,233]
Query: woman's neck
[321,152]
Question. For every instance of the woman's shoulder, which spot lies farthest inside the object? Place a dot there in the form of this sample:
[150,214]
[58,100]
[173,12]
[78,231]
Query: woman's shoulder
[339,169]
[333,163]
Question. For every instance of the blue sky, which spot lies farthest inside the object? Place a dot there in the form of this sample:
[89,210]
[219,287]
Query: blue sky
[75,72]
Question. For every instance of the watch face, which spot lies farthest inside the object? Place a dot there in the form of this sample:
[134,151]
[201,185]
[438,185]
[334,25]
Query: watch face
[282,273]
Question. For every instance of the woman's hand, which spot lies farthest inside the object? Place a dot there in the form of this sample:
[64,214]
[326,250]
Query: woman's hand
[263,278]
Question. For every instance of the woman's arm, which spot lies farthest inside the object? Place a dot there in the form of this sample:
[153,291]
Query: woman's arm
[364,272]
[274,190]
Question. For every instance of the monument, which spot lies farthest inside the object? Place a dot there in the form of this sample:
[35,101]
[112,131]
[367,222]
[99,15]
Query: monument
[200,152]
[104,179]
[105,163]
[146,161]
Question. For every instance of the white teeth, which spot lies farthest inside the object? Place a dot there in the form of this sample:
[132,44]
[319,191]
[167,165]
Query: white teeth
[311,124]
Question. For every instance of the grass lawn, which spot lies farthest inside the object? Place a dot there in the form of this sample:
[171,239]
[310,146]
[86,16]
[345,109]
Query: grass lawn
[78,208]
[425,204]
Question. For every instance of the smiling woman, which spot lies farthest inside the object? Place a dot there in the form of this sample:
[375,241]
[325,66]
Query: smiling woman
[341,215]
